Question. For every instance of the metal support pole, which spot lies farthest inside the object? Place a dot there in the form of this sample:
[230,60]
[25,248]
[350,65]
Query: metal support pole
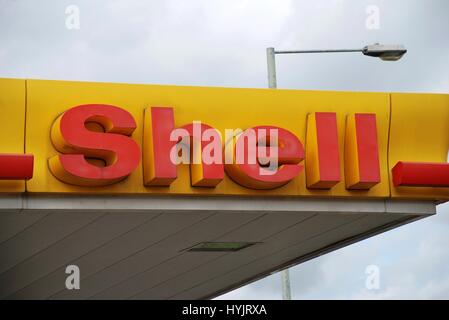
[317,51]
[286,292]
[271,67]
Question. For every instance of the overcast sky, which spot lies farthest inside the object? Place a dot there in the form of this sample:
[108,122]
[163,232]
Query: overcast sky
[222,43]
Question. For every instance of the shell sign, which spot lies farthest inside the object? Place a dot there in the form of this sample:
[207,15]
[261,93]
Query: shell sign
[101,138]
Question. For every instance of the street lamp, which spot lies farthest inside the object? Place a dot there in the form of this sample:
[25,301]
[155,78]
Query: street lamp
[384,52]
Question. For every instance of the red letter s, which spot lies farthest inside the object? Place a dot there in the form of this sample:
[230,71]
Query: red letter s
[70,137]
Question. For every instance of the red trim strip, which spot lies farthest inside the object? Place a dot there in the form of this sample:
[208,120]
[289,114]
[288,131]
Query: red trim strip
[421,174]
[16,166]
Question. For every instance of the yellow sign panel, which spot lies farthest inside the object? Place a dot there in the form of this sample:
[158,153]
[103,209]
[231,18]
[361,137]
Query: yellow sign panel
[419,133]
[12,128]
[221,108]
[352,140]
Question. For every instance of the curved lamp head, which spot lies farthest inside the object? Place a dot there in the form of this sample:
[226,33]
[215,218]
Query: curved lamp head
[384,52]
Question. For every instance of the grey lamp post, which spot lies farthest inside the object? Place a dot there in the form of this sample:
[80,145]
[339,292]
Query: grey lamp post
[384,52]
